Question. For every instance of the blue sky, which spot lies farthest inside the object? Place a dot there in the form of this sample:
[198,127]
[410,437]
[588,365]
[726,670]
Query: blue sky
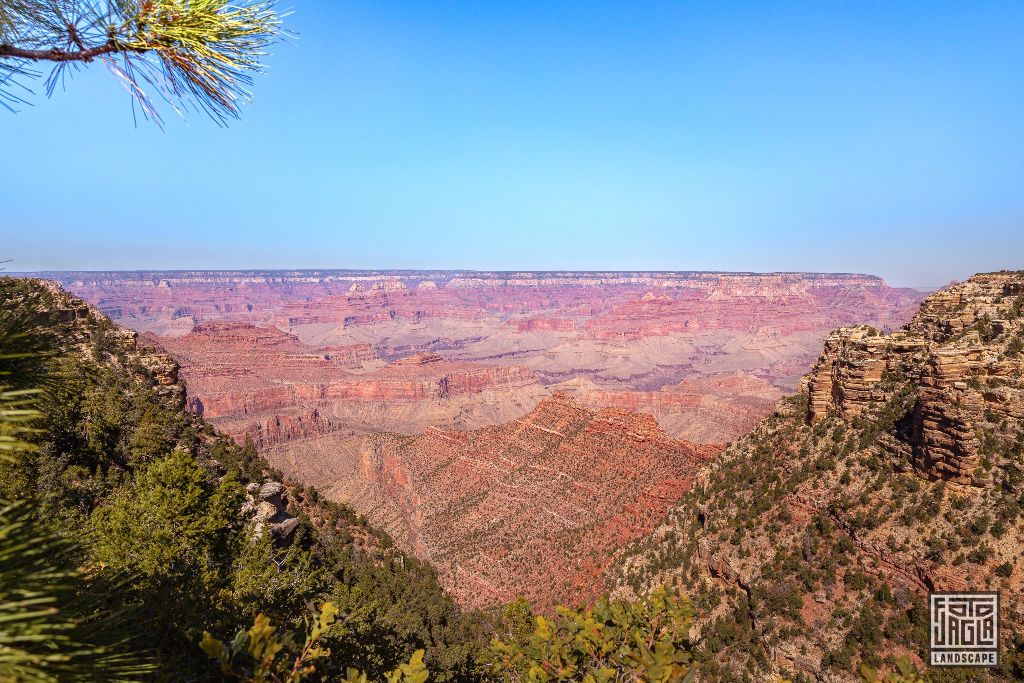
[835,136]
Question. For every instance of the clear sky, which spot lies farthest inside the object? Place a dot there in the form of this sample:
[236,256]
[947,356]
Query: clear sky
[879,137]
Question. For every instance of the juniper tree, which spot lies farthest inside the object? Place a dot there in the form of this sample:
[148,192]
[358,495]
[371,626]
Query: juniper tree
[193,54]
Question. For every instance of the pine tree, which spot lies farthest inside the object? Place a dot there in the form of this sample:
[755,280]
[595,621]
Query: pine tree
[193,54]
[173,526]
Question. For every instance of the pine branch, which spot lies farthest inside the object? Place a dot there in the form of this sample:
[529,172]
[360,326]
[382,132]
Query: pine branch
[58,55]
[199,53]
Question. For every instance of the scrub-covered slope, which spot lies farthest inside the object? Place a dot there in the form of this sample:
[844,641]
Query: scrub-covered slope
[812,542]
[205,532]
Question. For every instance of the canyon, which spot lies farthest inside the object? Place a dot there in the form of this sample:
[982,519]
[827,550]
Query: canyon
[681,346]
[534,507]
[484,419]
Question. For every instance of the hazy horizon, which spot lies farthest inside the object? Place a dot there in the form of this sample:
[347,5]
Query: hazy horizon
[467,271]
[880,139]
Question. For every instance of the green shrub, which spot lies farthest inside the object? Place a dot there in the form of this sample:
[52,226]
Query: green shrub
[614,640]
[260,654]
[904,673]
[983,326]
[1014,348]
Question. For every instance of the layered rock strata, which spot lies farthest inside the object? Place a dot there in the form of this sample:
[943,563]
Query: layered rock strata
[535,507]
[264,343]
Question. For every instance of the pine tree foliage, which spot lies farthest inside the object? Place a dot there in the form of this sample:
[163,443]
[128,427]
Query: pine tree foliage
[193,54]
[25,345]
[26,339]
[172,526]
[17,414]
[56,622]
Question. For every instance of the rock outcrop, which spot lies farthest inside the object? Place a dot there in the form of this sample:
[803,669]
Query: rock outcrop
[266,505]
[952,351]
[898,470]
[854,361]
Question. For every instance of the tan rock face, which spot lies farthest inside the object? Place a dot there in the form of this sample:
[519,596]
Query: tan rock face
[951,351]
[944,441]
[852,363]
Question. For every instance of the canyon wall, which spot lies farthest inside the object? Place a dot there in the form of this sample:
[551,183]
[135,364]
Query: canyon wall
[536,507]
[705,353]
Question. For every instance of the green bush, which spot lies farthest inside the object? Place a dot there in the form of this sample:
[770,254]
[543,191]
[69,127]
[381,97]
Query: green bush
[645,640]
[260,654]
[1014,348]
[904,673]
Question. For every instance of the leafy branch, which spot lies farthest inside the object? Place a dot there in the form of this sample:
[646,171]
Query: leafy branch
[644,640]
[260,655]
[903,673]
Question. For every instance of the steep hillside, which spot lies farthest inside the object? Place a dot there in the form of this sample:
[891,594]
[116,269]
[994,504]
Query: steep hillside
[811,542]
[207,534]
[534,507]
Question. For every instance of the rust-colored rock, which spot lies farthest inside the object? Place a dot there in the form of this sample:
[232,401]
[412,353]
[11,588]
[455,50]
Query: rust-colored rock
[264,383]
[267,344]
[536,507]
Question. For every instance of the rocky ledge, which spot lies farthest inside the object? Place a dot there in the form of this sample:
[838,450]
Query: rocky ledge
[962,357]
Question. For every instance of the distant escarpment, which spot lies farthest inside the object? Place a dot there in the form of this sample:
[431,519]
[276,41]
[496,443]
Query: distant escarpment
[811,543]
[263,351]
[535,507]
[263,383]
